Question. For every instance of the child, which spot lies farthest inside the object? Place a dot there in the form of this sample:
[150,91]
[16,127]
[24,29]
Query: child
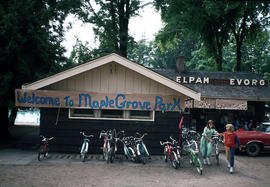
[231,141]
[206,142]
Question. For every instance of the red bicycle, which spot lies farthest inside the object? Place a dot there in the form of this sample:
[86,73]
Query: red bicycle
[44,148]
[172,152]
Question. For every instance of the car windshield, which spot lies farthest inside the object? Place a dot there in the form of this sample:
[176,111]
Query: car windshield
[264,128]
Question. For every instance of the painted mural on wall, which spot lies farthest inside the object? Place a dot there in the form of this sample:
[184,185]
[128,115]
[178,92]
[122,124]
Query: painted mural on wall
[69,99]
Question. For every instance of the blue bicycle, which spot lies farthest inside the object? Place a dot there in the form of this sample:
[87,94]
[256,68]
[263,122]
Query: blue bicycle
[141,149]
[128,145]
[85,145]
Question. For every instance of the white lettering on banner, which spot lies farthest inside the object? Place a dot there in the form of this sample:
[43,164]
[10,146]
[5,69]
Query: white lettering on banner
[232,82]
[262,82]
[254,82]
[206,80]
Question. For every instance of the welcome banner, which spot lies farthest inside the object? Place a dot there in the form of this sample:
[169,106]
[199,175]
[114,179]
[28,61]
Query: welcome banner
[92,100]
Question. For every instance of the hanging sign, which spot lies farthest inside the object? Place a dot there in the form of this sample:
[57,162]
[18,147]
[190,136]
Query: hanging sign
[92,100]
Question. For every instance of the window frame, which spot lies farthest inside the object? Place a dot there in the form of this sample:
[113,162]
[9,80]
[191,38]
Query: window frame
[97,116]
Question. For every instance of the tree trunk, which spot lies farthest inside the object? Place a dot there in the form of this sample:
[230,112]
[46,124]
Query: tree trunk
[238,55]
[219,57]
[4,123]
[12,116]
[124,13]
[114,26]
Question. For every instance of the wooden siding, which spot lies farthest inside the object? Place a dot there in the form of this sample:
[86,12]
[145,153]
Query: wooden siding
[112,78]
[68,138]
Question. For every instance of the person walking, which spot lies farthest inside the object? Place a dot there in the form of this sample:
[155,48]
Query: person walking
[231,141]
[206,142]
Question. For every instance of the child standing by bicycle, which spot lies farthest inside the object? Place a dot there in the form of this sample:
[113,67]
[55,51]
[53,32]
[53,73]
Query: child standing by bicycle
[231,141]
[206,141]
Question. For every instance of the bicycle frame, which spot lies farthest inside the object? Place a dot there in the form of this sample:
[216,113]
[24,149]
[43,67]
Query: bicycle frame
[44,147]
[128,150]
[141,149]
[109,144]
[171,151]
[85,145]
[194,155]
[216,139]
[191,148]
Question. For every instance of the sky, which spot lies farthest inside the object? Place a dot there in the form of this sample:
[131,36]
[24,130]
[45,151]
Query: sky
[144,26]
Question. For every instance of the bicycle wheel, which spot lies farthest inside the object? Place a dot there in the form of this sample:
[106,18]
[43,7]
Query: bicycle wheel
[84,151]
[143,155]
[40,156]
[83,156]
[174,160]
[198,165]
[40,153]
[217,155]
[179,158]
[165,154]
[132,154]
[112,155]
[108,153]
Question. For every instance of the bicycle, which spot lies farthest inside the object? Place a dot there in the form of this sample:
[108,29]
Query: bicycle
[85,145]
[191,148]
[44,148]
[128,147]
[172,152]
[141,149]
[216,139]
[109,144]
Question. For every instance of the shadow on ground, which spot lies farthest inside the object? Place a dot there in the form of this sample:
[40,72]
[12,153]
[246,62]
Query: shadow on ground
[22,137]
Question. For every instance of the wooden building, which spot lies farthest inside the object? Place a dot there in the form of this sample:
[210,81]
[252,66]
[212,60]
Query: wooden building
[111,92]
[225,96]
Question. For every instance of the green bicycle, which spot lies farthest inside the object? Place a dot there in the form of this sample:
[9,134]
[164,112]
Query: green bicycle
[191,147]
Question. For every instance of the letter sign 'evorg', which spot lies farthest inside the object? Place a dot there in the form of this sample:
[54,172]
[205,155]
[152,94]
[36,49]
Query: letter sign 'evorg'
[69,99]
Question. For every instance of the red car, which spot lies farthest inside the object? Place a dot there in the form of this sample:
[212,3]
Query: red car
[255,141]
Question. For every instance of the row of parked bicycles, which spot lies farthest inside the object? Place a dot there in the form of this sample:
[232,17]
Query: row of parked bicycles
[134,149]
[133,146]
[187,147]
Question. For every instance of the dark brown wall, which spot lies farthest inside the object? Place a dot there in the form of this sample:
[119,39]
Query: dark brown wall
[68,138]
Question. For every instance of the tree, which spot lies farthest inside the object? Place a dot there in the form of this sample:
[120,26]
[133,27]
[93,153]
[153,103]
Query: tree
[248,18]
[31,33]
[111,22]
[204,18]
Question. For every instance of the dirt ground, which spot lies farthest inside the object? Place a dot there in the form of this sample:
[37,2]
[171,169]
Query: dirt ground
[68,170]
[19,167]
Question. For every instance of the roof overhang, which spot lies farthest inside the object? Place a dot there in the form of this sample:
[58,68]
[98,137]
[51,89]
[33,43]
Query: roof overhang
[117,59]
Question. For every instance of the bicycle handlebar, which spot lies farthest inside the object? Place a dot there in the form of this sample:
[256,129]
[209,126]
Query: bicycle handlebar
[172,139]
[46,139]
[87,136]
[139,138]
[163,143]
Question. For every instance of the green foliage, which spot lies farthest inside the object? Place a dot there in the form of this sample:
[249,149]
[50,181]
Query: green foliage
[201,61]
[31,33]
[141,52]
[110,22]
[216,22]
[204,18]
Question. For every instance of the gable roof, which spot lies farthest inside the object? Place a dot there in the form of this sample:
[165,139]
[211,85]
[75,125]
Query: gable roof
[117,59]
[224,91]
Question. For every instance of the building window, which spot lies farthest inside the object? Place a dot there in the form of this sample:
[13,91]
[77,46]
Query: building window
[112,114]
[77,113]
[138,114]
[133,115]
